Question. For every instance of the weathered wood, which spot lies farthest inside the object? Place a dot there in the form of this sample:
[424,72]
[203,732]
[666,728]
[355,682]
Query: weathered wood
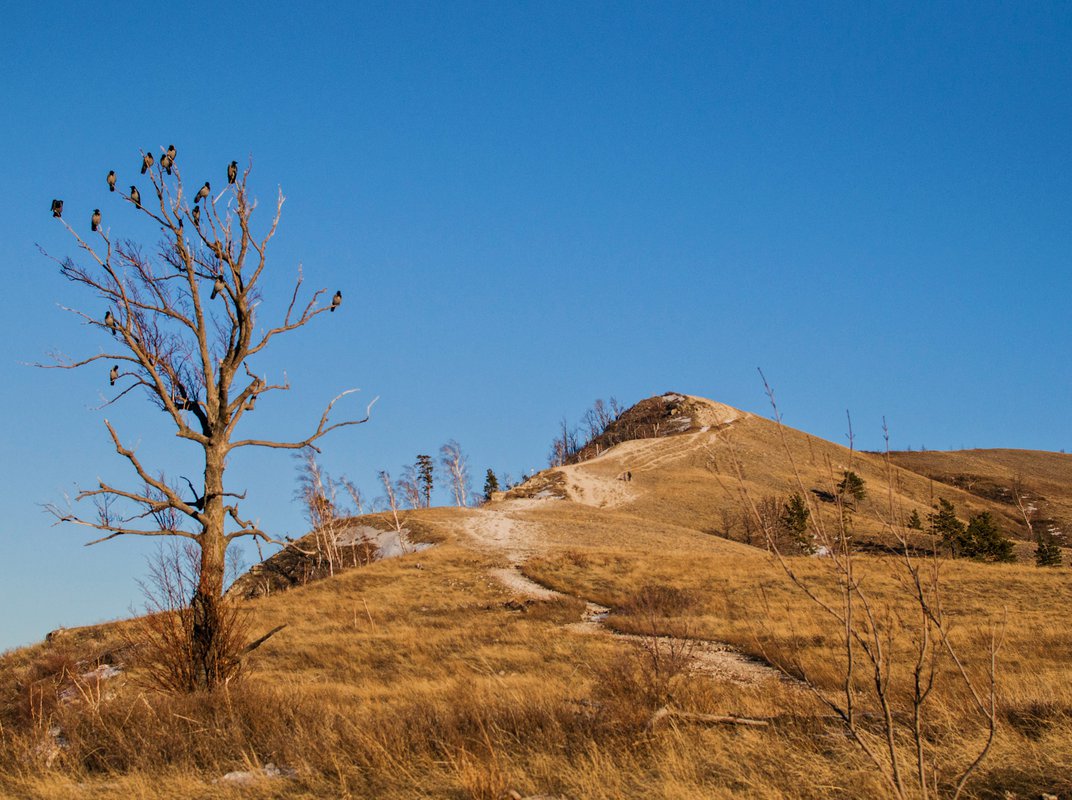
[249,648]
[708,719]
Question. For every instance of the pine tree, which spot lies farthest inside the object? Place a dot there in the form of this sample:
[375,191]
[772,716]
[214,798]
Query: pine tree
[945,525]
[851,488]
[794,520]
[491,484]
[914,522]
[1048,551]
[984,540]
[424,478]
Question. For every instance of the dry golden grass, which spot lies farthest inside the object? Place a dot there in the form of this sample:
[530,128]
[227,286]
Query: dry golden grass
[392,681]
[1044,477]
[424,677]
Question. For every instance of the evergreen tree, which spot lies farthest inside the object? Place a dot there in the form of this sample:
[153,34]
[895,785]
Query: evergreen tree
[491,484]
[914,522]
[851,488]
[1048,551]
[945,525]
[984,540]
[794,521]
[424,478]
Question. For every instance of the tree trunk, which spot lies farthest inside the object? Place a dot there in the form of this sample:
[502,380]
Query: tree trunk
[211,665]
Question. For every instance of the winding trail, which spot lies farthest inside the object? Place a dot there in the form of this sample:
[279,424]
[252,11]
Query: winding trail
[498,531]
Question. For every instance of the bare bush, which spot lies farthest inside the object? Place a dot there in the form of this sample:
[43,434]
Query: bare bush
[887,694]
[163,637]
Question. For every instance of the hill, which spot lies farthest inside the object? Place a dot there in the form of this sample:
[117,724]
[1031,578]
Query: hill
[590,635]
[689,460]
[1040,481]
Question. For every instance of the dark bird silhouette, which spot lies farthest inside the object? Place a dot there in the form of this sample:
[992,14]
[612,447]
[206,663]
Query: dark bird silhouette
[109,320]
[113,376]
[171,152]
[199,500]
[94,221]
[217,287]
[203,193]
[57,208]
[251,402]
[146,162]
[111,180]
[336,301]
[166,161]
[196,214]
[135,196]
[232,172]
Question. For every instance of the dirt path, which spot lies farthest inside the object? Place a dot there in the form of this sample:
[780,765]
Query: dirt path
[498,531]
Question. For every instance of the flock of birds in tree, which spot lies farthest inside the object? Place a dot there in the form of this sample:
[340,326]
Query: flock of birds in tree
[167,161]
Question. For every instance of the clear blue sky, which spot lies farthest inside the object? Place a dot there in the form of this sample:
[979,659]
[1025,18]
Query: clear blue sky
[529,206]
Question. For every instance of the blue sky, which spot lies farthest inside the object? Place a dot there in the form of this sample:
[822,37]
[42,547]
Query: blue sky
[529,206]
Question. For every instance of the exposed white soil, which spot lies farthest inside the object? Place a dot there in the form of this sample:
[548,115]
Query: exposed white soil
[389,544]
[599,481]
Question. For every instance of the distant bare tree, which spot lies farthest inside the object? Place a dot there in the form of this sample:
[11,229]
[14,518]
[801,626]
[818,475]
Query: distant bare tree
[191,354]
[408,487]
[455,466]
[390,499]
[565,446]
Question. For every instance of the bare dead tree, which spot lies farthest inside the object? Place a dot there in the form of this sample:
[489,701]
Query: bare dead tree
[317,493]
[390,499]
[191,354]
[408,487]
[455,465]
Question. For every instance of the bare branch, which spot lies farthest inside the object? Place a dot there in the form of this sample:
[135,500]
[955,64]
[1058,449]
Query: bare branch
[322,429]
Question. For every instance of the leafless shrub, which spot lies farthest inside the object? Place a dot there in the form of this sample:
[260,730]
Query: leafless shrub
[897,687]
[659,600]
[408,487]
[163,637]
[324,499]
[650,676]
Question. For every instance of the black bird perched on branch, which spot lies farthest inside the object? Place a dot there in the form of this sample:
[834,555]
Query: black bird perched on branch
[196,214]
[111,180]
[232,172]
[109,320]
[336,301]
[113,376]
[135,196]
[146,162]
[199,500]
[57,208]
[203,193]
[94,221]
[217,287]
[166,161]
[171,152]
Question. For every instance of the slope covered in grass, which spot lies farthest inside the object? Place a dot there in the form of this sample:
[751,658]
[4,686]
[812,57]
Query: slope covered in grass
[444,673]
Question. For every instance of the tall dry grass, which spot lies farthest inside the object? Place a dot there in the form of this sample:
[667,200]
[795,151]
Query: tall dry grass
[393,681]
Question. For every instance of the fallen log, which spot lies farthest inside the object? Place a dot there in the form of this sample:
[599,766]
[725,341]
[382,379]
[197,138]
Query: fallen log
[666,712]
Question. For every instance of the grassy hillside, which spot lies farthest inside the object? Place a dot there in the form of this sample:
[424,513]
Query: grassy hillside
[695,475]
[530,649]
[1041,480]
